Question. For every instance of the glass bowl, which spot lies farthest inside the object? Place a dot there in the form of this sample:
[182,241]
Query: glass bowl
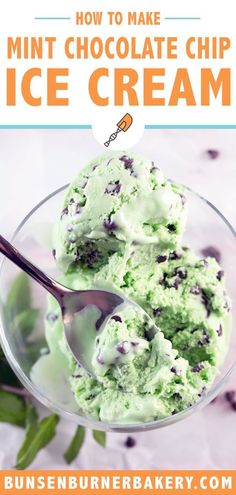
[206,226]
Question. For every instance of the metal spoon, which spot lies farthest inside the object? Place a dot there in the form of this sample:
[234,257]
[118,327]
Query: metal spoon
[90,309]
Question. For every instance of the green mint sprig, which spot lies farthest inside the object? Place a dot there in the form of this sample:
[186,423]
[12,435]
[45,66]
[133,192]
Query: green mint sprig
[16,404]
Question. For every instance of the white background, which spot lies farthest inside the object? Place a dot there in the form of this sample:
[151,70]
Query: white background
[17,19]
[33,164]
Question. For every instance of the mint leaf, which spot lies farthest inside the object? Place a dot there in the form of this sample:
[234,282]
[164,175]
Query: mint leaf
[19,315]
[7,376]
[75,445]
[31,430]
[25,321]
[12,409]
[38,435]
[100,437]
[19,297]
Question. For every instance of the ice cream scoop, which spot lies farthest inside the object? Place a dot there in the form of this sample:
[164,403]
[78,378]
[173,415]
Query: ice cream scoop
[142,374]
[116,200]
[85,313]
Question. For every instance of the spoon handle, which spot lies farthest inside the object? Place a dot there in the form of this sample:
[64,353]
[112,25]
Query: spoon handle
[18,259]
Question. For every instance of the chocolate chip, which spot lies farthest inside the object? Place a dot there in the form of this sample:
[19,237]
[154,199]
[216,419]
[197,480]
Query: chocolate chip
[54,253]
[71,201]
[163,280]
[220,331]
[174,370]
[203,392]
[51,317]
[84,184]
[64,212]
[213,153]
[128,162]
[89,255]
[168,285]
[171,227]
[230,396]
[220,275]
[205,339]
[130,442]
[212,252]
[197,368]
[176,283]
[113,188]
[110,225]
[150,333]
[226,304]
[233,405]
[161,258]
[116,318]
[175,256]
[177,396]
[181,272]
[78,209]
[154,168]
[122,347]
[206,302]
[157,312]
[183,199]
[99,358]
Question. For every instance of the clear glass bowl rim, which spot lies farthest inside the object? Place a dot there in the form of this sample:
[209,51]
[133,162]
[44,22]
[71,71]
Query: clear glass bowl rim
[89,422]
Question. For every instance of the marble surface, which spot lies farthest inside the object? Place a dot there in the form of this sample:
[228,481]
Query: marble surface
[34,163]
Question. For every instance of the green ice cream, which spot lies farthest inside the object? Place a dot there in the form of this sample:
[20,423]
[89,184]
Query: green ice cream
[144,375]
[115,200]
[120,229]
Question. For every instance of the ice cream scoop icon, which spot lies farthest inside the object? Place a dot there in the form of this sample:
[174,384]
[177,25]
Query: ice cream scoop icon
[123,125]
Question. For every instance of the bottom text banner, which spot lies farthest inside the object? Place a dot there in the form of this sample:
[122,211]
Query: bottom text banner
[117,482]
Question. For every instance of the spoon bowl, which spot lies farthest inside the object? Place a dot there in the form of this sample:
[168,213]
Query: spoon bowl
[85,314]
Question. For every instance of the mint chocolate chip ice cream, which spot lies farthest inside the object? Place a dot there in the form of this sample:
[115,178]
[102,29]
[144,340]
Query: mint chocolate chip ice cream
[117,199]
[144,371]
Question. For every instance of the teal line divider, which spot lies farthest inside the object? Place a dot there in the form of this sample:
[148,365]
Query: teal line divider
[52,18]
[182,18]
[146,127]
[45,126]
[185,126]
